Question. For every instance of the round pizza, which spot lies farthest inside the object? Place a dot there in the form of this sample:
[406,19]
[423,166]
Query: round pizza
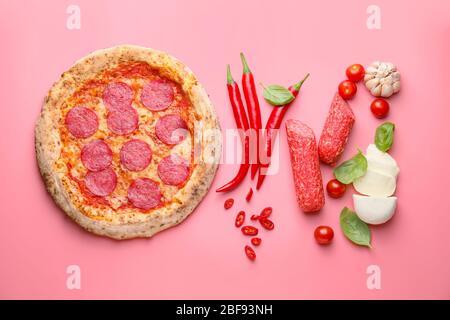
[128,142]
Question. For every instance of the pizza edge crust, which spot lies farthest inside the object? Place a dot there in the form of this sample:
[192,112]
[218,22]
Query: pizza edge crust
[47,142]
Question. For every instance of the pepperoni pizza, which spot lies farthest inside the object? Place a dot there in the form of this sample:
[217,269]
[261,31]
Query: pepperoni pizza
[127,142]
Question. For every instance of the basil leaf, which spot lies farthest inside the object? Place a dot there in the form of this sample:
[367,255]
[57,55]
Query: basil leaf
[356,230]
[351,169]
[277,95]
[384,136]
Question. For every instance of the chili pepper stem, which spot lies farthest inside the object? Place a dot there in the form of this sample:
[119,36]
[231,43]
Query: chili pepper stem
[299,84]
[245,65]
[229,76]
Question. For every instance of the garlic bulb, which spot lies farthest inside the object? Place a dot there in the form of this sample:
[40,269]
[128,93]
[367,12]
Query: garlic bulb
[382,79]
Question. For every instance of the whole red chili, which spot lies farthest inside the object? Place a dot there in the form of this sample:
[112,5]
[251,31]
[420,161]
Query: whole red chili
[240,218]
[253,110]
[228,203]
[249,230]
[256,241]
[272,125]
[266,212]
[250,253]
[249,195]
[266,223]
[242,124]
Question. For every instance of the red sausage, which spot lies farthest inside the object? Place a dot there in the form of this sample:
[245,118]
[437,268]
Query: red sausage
[305,166]
[336,130]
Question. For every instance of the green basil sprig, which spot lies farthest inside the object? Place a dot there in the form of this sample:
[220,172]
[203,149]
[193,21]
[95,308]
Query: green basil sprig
[351,169]
[277,95]
[384,136]
[356,230]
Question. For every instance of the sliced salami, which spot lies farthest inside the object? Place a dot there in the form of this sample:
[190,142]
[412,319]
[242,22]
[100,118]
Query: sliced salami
[173,170]
[135,155]
[117,95]
[101,183]
[157,95]
[81,122]
[123,121]
[144,193]
[171,129]
[96,155]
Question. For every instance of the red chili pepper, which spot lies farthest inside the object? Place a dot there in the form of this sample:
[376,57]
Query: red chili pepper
[254,217]
[253,111]
[249,195]
[240,218]
[273,124]
[256,241]
[228,203]
[242,123]
[266,223]
[266,212]
[249,230]
[250,253]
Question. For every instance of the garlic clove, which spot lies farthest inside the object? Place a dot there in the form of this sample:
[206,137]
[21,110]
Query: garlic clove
[368,77]
[372,83]
[371,70]
[387,90]
[376,91]
[396,76]
[396,86]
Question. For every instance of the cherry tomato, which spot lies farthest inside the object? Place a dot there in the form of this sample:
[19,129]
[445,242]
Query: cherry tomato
[249,230]
[266,212]
[256,241]
[228,203]
[379,108]
[347,89]
[355,72]
[240,218]
[323,234]
[335,188]
[266,223]
[250,253]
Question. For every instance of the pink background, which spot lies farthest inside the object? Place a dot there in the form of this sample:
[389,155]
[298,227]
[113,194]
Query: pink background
[203,257]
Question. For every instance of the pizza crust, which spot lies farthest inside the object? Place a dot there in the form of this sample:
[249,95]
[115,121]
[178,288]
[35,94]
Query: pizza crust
[48,141]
